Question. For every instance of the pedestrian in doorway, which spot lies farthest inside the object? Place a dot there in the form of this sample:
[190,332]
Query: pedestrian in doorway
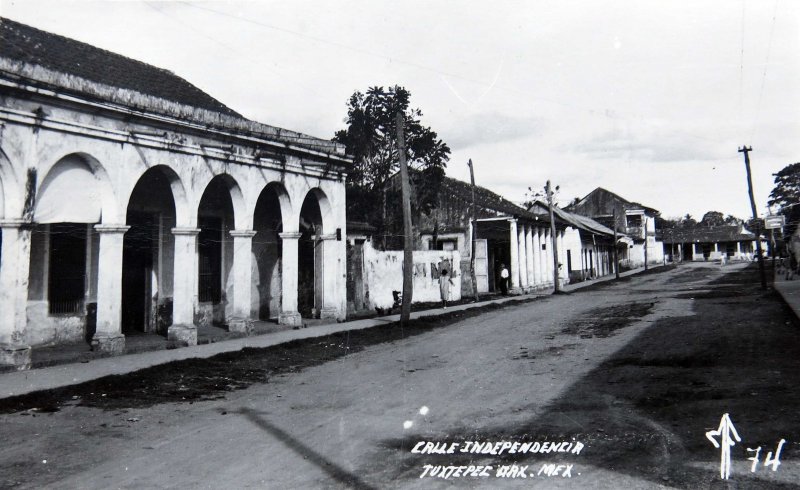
[503,280]
[444,287]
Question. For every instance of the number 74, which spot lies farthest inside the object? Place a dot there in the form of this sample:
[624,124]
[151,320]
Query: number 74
[769,461]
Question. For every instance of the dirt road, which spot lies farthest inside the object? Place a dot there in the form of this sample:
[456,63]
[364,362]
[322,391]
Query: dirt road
[624,379]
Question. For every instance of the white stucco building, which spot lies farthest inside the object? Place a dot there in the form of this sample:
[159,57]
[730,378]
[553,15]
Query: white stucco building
[131,201]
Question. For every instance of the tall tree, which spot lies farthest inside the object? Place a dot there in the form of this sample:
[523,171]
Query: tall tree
[786,194]
[713,218]
[370,138]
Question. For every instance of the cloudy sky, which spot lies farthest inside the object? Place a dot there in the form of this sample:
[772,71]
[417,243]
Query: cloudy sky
[649,99]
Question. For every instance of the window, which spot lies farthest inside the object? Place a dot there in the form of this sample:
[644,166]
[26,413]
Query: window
[67,274]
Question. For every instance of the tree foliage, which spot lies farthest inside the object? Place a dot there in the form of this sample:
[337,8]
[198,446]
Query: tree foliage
[713,218]
[371,138]
[786,194]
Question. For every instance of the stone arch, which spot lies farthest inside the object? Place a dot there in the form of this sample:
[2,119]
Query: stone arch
[272,215]
[284,201]
[221,209]
[149,248]
[315,227]
[76,189]
[238,202]
[184,213]
[8,188]
[325,209]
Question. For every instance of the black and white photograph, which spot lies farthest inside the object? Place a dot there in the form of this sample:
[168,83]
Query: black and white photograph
[307,244]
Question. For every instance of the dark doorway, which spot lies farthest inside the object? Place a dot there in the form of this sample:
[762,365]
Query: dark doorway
[309,260]
[215,250]
[137,257]
[267,254]
[147,255]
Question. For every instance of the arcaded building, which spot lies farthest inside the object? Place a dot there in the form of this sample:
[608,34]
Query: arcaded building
[132,201]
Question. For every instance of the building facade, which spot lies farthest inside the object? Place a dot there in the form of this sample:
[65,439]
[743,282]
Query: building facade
[632,219]
[703,243]
[133,202]
[505,235]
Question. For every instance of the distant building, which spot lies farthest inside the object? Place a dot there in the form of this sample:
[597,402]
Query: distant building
[636,221]
[734,242]
[133,202]
[505,234]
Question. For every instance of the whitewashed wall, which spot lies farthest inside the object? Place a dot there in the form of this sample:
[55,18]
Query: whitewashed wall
[383,273]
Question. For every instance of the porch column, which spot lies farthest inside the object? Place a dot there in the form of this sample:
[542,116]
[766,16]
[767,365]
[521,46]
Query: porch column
[330,266]
[289,314]
[242,281]
[513,277]
[738,249]
[108,336]
[530,254]
[184,286]
[562,254]
[548,256]
[539,257]
[14,266]
[523,257]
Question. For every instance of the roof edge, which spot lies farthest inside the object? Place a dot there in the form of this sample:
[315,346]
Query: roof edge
[137,101]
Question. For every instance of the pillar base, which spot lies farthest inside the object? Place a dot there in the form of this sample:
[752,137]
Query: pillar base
[113,344]
[329,313]
[184,335]
[291,318]
[16,355]
[241,325]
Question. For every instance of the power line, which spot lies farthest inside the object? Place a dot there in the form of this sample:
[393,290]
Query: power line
[764,74]
[491,84]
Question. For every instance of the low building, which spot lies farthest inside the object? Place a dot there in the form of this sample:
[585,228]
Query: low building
[733,242]
[636,221]
[588,244]
[133,202]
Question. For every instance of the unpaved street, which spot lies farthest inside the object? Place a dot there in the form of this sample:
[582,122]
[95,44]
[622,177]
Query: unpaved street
[636,372]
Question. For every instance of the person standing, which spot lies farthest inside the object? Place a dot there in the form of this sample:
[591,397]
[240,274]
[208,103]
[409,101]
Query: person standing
[444,287]
[503,279]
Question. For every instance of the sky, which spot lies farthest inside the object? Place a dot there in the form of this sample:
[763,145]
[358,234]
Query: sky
[649,99]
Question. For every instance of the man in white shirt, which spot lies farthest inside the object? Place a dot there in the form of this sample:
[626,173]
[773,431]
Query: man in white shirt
[503,279]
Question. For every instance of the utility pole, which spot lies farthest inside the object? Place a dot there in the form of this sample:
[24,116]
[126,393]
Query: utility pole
[549,191]
[746,152]
[408,243]
[616,252]
[474,222]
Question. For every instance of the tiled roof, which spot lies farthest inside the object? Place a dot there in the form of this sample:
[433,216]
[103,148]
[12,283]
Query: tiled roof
[485,199]
[710,234]
[26,44]
[71,67]
[576,220]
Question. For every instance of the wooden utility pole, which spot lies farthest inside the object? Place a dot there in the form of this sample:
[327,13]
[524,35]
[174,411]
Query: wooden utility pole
[474,222]
[549,191]
[746,152]
[408,243]
[616,256]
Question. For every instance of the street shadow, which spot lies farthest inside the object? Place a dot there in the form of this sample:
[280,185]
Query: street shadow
[644,412]
[335,471]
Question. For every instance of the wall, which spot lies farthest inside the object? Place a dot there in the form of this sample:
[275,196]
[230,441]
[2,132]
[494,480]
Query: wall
[383,273]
